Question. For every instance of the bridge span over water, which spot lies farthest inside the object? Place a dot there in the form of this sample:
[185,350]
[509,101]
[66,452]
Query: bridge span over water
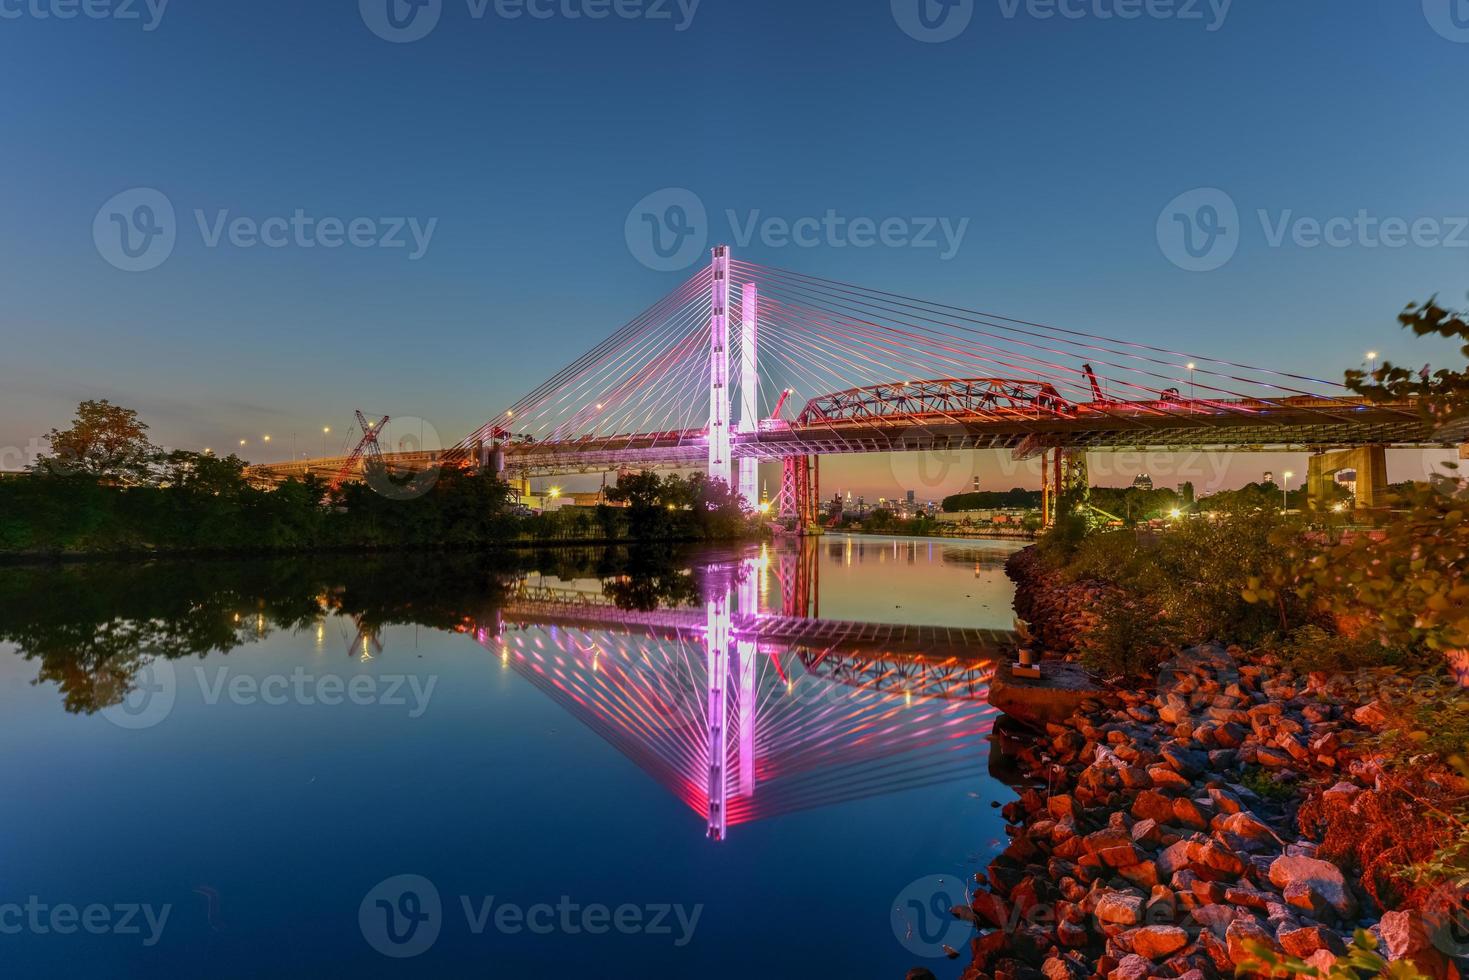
[705,376]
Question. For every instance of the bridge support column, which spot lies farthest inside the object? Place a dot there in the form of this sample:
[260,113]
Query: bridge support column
[718,677]
[719,425]
[1370,463]
[749,466]
[748,651]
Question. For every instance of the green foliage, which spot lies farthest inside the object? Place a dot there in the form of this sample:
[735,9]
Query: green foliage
[105,441]
[1312,648]
[1262,783]
[1130,641]
[1016,499]
[1189,574]
[1443,396]
[1361,960]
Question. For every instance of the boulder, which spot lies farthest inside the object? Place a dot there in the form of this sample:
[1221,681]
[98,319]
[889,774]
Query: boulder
[1301,942]
[1157,942]
[1119,908]
[1244,931]
[1132,967]
[1322,880]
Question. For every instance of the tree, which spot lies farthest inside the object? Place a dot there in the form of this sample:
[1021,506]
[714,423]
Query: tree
[105,441]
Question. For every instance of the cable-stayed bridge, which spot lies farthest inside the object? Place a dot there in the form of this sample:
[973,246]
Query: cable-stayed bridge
[708,375]
[747,713]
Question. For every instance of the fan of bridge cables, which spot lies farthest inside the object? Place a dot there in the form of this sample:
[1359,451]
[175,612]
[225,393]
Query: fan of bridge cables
[818,336]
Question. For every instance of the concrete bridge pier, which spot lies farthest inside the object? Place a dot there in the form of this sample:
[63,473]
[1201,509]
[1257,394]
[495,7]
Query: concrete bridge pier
[1370,462]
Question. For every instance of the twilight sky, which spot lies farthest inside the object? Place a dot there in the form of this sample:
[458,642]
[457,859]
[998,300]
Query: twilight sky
[504,154]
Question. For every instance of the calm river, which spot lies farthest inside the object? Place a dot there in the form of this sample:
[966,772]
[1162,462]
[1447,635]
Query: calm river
[763,763]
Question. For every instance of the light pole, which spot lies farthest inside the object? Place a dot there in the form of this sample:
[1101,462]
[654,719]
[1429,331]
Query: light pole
[1372,357]
[1285,492]
[1192,367]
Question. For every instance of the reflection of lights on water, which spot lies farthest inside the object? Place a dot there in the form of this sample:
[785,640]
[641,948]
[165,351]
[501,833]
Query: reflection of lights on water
[320,635]
[504,656]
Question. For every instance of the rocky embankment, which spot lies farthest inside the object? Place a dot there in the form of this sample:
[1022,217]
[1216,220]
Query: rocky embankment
[1163,840]
[1058,613]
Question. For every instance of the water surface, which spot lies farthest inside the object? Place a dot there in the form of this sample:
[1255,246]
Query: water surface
[265,749]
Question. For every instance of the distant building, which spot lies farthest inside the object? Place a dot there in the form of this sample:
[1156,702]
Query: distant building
[1347,480]
[1269,477]
[1142,482]
[911,496]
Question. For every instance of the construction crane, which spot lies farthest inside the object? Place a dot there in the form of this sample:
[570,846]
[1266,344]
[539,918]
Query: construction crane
[1091,376]
[367,445]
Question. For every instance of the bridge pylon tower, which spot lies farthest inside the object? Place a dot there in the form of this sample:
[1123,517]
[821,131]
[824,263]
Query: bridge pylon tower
[748,467]
[720,442]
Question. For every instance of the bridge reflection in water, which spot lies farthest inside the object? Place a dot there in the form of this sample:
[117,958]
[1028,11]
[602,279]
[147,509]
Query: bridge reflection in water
[747,712]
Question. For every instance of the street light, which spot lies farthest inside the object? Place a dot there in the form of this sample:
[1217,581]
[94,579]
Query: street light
[1372,356]
[1285,491]
[1192,367]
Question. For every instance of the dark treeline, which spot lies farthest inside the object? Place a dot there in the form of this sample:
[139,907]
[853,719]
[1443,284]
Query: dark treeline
[106,489]
[93,625]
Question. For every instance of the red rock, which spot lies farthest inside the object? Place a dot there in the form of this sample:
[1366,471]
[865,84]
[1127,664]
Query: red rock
[1215,918]
[1372,715]
[1157,942]
[1302,942]
[1152,805]
[1071,934]
[1132,967]
[1163,777]
[1187,812]
[1216,857]
[1325,881]
[1174,858]
[1246,930]
[1119,908]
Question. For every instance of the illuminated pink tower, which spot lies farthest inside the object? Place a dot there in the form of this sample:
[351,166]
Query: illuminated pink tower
[719,427]
[748,466]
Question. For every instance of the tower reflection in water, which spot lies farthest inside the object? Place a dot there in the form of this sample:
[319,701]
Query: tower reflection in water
[745,712]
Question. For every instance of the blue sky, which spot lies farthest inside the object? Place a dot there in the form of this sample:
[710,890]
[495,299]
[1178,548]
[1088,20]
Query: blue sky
[1060,140]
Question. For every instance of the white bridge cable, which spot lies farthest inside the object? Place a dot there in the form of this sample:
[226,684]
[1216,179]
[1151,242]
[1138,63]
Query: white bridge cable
[807,296]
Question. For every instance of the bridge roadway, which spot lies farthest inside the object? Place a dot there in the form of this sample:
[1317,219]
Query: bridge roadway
[923,661]
[1239,425]
[544,606]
